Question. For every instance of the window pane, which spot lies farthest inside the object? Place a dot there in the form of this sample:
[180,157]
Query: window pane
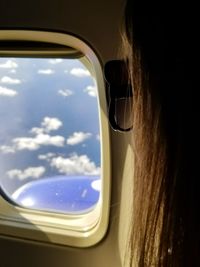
[49,134]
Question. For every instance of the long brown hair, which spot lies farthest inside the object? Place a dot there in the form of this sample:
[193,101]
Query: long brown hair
[159,45]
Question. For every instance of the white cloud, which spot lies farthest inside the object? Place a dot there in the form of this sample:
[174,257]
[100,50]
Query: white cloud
[9,64]
[41,138]
[75,165]
[65,92]
[79,72]
[7,149]
[31,172]
[33,143]
[91,90]
[55,61]
[9,80]
[46,72]
[98,137]
[47,125]
[51,124]
[47,156]
[45,139]
[37,130]
[78,137]
[66,71]
[23,143]
[7,92]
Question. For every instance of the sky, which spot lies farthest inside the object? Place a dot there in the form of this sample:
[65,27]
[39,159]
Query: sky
[49,120]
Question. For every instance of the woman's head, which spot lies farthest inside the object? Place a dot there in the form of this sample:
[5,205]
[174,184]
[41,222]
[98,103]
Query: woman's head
[160,56]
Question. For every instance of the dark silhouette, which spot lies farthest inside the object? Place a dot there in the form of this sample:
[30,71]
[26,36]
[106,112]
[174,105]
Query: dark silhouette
[160,46]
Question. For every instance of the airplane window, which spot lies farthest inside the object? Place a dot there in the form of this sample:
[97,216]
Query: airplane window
[49,135]
[55,174]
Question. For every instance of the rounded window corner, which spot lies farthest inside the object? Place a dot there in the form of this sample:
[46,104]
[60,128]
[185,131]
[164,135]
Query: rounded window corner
[79,229]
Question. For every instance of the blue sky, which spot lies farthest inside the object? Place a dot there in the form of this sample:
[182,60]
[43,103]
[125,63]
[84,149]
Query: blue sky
[49,120]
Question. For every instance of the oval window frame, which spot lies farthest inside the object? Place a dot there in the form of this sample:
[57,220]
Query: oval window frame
[74,230]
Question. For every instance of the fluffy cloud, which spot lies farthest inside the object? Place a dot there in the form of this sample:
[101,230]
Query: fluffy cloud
[78,137]
[46,72]
[7,92]
[91,90]
[79,72]
[51,124]
[55,61]
[75,165]
[7,149]
[9,64]
[22,143]
[29,143]
[37,130]
[47,125]
[41,138]
[33,143]
[65,92]
[31,172]
[9,80]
